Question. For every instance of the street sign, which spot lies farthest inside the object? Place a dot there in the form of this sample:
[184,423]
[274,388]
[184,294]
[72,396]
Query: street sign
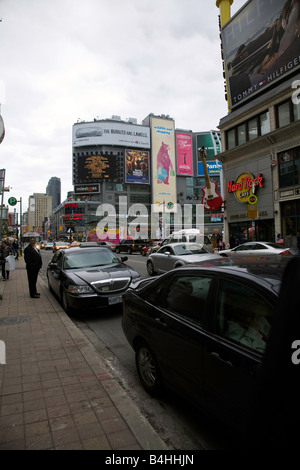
[12,201]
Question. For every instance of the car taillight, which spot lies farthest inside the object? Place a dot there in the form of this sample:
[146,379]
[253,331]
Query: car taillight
[286,252]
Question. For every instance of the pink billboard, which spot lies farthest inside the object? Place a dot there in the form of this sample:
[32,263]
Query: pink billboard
[184,154]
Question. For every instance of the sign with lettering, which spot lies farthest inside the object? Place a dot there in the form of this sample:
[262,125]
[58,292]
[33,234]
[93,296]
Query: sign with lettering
[245,186]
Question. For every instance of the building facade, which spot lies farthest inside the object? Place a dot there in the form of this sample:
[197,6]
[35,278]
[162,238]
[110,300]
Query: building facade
[117,163]
[39,208]
[260,135]
[53,189]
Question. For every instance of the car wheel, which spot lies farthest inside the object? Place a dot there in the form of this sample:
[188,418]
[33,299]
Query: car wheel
[148,369]
[129,251]
[65,303]
[117,250]
[143,253]
[150,269]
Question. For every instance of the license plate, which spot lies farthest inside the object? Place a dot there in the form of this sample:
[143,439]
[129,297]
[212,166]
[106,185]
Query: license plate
[117,299]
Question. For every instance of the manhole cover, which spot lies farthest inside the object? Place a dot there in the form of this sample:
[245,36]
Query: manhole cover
[14,320]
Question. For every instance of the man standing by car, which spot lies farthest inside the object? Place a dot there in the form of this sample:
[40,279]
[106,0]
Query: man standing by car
[33,262]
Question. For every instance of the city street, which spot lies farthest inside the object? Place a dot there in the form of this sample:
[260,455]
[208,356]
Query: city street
[177,422]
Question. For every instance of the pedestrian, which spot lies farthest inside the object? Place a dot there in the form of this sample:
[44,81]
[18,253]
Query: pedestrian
[3,255]
[10,264]
[33,262]
[15,245]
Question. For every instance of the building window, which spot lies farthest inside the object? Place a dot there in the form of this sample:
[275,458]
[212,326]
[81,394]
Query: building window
[248,130]
[289,168]
[241,132]
[231,139]
[283,114]
[253,129]
[264,123]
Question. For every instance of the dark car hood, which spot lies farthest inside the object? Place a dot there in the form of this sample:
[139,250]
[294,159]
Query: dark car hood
[105,278]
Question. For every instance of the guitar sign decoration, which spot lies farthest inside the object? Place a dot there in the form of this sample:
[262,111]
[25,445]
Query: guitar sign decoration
[211,199]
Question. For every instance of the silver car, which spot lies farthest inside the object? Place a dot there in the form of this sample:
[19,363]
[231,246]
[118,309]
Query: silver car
[266,251]
[174,255]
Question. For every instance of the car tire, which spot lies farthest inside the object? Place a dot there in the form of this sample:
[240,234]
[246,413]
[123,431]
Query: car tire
[129,251]
[148,369]
[150,269]
[117,250]
[143,253]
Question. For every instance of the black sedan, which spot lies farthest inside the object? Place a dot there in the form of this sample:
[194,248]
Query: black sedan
[89,278]
[201,331]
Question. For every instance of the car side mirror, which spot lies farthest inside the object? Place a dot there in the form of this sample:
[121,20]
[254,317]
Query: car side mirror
[167,253]
[53,265]
[124,258]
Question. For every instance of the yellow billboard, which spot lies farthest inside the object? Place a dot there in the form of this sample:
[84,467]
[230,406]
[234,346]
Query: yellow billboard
[163,164]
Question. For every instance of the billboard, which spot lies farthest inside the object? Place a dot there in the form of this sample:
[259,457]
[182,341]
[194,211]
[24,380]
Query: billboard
[97,167]
[211,141]
[137,166]
[163,164]
[110,133]
[261,46]
[184,153]
[214,168]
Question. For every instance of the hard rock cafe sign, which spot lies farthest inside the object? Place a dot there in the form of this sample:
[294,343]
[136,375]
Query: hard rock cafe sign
[245,186]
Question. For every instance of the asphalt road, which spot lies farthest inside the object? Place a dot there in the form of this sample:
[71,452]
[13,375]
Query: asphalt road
[178,423]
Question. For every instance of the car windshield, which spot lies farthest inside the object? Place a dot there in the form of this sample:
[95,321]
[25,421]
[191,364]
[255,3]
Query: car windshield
[89,259]
[189,249]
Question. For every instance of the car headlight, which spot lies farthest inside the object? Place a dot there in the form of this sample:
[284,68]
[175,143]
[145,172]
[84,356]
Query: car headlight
[80,289]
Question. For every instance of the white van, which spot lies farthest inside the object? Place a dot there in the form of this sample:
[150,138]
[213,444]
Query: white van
[189,235]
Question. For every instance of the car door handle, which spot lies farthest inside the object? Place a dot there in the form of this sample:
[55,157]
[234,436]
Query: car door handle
[161,322]
[217,356]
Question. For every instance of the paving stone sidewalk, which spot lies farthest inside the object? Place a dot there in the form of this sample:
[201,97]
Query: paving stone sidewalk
[56,392]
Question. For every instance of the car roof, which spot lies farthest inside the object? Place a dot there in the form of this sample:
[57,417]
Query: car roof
[257,272]
[79,248]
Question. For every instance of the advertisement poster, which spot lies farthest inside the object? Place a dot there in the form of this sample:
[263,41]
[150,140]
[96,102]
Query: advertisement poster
[137,167]
[261,45]
[184,154]
[163,164]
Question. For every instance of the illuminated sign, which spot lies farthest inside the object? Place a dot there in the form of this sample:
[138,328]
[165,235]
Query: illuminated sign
[245,186]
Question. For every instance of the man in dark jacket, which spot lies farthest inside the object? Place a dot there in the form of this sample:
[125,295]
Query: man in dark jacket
[33,262]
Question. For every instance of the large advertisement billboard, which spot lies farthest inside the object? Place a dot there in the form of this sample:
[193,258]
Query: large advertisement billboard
[184,153]
[261,45]
[137,167]
[110,133]
[163,164]
[97,167]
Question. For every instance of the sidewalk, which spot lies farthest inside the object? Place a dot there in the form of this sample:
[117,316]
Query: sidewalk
[55,390]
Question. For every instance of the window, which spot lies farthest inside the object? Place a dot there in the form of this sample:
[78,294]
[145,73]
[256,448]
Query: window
[241,132]
[243,315]
[264,120]
[296,111]
[187,296]
[253,129]
[231,139]
[283,114]
[248,130]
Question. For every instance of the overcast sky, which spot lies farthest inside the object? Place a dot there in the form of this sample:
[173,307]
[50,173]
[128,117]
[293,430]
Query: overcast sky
[64,60]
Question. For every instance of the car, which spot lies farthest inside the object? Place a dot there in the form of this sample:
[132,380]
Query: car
[190,235]
[268,251]
[60,245]
[201,331]
[130,246]
[149,247]
[43,244]
[89,278]
[174,255]
[49,246]
[86,244]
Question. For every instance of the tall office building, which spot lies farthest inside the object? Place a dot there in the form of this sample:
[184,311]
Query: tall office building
[54,189]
